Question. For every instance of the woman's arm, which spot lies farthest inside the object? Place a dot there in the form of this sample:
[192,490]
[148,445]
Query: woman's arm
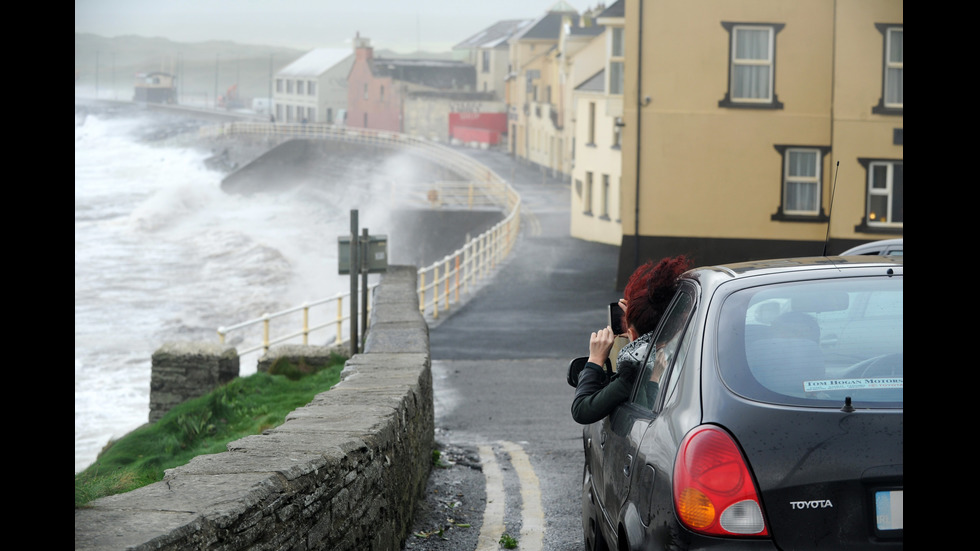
[594,399]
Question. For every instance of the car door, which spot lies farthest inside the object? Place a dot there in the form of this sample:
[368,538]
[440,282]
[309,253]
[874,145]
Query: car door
[624,429]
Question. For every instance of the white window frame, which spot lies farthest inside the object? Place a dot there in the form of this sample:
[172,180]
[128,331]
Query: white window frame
[801,180]
[883,187]
[894,87]
[616,73]
[738,63]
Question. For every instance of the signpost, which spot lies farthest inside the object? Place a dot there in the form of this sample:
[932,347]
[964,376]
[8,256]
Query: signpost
[368,254]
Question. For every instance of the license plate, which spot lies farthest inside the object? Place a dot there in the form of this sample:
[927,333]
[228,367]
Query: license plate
[889,510]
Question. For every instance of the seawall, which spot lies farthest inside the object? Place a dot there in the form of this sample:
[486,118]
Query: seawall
[342,473]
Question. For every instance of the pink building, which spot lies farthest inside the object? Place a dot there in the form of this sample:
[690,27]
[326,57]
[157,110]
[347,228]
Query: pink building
[377,87]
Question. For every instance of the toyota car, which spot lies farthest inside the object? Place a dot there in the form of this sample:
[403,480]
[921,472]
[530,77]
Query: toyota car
[776,421]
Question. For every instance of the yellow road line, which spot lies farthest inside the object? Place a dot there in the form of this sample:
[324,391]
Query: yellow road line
[532,513]
[493,515]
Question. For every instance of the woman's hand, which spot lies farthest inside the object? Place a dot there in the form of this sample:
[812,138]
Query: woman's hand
[600,343]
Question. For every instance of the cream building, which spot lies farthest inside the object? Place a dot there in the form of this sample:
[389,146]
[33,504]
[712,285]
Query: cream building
[593,83]
[760,129]
[314,87]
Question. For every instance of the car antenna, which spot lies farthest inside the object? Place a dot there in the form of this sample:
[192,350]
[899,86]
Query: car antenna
[830,209]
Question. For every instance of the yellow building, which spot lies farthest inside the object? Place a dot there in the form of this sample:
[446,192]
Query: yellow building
[594,82]
[743,119]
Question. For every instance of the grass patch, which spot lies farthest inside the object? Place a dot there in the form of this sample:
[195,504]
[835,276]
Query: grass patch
[508,541]
[204,425]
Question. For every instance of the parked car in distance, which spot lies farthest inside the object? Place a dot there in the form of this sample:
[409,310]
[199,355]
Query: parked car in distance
[769,415]
[885,247]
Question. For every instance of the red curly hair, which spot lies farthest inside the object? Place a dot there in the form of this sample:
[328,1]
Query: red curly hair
[649,290]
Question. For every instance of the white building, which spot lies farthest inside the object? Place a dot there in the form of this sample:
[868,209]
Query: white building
[314,87]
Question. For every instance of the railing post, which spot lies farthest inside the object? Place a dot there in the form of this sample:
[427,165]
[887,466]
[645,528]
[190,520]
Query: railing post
[265,332]
[306,323]
[422,291]
[456,273]
[435,292]
[340,319]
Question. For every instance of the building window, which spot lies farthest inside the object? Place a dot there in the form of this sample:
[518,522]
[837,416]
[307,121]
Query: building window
[801,181]
[617,132]
[885,197]
[279,85]
[485,66]
[752,66]
[605,197]
[329,115]
[299,86]
[311,87]
[591,127]
[289,113]
[801,190]
[587,194]
[892,83]
[311,114]
[289,86]
[616,61]
[365,92]
[381,93]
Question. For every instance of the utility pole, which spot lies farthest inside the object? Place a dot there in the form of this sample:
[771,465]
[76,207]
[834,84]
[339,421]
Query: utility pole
[355,264]
[364,288]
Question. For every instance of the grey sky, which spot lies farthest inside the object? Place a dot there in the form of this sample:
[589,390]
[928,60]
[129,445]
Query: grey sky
[401,25]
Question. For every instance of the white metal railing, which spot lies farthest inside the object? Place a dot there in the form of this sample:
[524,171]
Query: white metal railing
[311,320]
[441,284]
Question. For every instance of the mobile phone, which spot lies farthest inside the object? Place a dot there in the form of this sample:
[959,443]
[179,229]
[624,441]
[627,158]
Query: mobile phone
[616,318]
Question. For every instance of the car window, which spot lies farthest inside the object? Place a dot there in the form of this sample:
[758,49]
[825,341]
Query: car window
[815,342]
[664,352]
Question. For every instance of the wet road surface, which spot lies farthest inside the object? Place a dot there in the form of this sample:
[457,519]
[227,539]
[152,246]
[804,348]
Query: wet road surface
[511,454]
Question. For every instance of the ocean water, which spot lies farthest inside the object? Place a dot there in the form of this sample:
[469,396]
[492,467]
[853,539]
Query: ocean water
[163,254]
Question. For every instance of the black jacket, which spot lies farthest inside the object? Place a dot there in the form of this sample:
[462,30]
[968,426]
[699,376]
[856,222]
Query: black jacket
[597,395]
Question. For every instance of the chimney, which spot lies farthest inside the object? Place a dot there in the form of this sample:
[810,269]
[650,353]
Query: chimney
[362,48]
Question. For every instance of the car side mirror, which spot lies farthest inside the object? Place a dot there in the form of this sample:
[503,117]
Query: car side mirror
[578,364]
[574,368]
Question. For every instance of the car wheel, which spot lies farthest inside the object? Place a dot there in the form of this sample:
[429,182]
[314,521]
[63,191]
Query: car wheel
[593,539]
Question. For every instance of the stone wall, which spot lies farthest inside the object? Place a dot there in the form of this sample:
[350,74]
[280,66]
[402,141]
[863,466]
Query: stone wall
[185,370]
[342,473]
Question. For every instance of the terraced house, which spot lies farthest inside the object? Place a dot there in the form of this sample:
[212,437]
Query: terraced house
[313,88]
[755,129]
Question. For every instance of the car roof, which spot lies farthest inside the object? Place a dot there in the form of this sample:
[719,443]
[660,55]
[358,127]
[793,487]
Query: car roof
[754,268]
[874,247]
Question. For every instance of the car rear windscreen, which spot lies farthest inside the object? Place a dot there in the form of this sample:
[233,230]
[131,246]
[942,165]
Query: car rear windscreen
[815,342]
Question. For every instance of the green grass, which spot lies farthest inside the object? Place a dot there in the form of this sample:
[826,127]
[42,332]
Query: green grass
[204,425]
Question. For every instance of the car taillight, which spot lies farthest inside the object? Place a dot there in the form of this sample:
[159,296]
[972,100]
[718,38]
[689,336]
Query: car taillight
[713,490]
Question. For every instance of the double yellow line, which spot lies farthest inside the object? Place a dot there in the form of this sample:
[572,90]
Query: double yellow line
[532,513]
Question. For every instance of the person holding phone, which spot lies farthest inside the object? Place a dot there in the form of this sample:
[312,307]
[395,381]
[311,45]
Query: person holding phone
[648,293]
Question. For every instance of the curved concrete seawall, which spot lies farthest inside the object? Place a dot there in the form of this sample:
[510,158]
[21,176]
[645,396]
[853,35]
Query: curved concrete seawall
[342,473]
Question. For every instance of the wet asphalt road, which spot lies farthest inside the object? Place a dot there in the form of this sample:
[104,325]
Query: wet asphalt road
[513,455]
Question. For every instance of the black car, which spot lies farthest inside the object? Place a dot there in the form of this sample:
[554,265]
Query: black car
[768,416]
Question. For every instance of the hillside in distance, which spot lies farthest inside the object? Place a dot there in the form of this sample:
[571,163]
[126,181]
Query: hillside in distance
[109,66]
